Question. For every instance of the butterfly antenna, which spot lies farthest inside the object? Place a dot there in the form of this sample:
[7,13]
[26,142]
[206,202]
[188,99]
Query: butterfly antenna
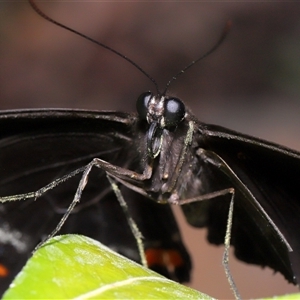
[219,42]
[43,15]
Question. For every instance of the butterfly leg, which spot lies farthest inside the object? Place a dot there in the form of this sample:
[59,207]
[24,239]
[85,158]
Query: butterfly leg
[132,224]
[42,190]
[83,181]
[111,170]
[225,260]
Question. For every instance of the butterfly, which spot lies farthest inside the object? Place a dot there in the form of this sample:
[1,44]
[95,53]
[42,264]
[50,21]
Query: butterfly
[187,159]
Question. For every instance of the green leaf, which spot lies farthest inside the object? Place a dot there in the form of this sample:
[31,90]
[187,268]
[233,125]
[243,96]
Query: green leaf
[73,266]
[285,297]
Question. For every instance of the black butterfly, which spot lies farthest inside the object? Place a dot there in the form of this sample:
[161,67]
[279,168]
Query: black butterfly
[162,153]
[77,137]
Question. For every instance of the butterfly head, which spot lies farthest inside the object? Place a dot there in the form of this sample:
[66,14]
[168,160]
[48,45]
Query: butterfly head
[161,112]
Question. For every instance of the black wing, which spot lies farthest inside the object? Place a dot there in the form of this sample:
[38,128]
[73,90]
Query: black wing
[271,174]
[37,147]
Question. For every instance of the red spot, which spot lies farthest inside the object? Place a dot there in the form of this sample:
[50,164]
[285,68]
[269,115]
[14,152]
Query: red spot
[154,256]
[164,257]
[175,258]
[3,271]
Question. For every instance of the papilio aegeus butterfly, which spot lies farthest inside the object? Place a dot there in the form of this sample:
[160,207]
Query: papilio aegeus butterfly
[221,159]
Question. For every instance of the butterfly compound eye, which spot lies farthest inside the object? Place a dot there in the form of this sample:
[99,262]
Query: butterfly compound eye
[142,104]
[174,112]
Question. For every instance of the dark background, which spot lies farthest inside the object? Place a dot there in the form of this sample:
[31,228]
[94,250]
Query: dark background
[250,84]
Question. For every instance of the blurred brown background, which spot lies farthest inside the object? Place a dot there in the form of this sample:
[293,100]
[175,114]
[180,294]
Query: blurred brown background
[250,84]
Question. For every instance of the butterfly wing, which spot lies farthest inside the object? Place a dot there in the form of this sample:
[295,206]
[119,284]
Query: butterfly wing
[266,178]
[37,147]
